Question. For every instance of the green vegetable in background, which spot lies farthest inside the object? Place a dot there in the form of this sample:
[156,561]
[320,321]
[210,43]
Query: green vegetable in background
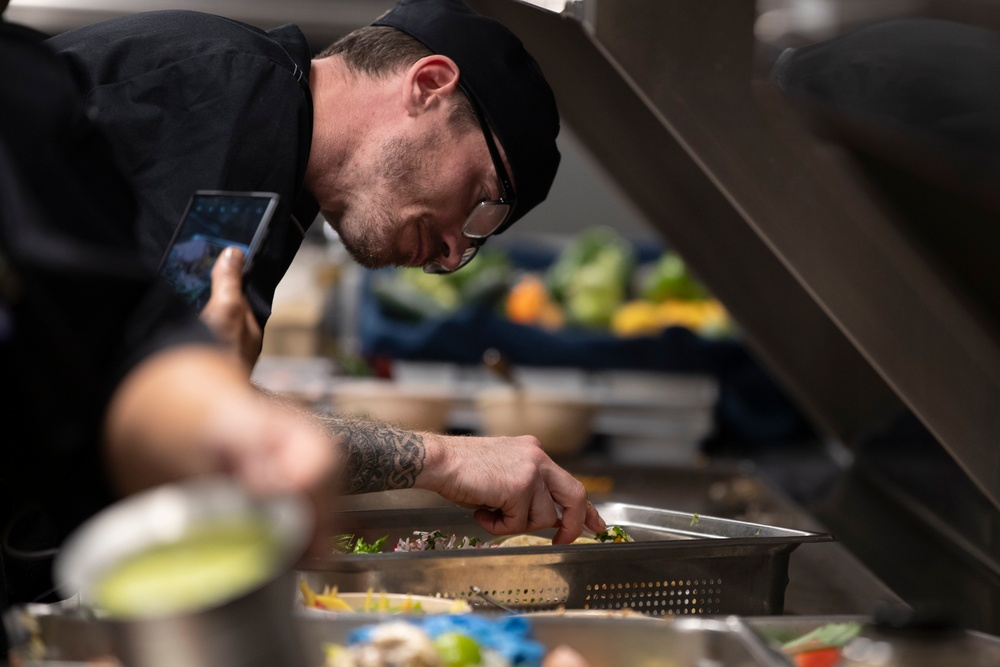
[410,294]
[590,277]
[670,279]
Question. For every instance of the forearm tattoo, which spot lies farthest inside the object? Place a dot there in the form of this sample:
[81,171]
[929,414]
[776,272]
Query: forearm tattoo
[379,457]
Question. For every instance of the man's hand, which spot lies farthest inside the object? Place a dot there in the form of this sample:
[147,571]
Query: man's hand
[189,411]
[516,485]
[228,313]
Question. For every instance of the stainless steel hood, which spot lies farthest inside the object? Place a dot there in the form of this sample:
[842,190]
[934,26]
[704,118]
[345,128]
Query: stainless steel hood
[833,289]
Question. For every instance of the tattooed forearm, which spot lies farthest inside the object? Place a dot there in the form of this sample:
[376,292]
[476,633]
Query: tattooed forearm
[379,457]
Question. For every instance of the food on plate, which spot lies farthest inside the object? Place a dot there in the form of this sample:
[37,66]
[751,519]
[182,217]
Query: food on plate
[330,599]
[612,534]
[445,641]
[820,657]
[436,540]
[209,564]
[822,646]
[351,544]
[524,541]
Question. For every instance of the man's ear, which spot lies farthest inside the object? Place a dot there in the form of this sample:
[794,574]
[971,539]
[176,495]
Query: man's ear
[428,81]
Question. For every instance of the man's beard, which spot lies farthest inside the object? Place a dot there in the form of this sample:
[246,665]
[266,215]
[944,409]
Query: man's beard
[369,229]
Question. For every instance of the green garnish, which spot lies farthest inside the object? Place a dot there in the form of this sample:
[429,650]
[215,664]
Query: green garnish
[614,534]
[350,544]
[694,518]
[833,635]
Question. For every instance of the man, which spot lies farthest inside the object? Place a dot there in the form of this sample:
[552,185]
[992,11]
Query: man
[390,132]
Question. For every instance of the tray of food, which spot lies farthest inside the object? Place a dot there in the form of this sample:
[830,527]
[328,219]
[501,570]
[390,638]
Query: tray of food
[529,641]
[890,637]
[673,564]
[64,639]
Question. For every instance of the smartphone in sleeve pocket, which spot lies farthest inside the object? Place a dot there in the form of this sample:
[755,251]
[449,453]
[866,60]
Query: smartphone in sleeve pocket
[214,220]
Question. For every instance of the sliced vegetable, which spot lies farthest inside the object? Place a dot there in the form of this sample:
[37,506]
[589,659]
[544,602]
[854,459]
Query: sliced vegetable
[457,649]
[824,657]
[614,534]
[831,635]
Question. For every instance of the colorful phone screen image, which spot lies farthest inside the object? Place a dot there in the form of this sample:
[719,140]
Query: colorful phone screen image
[213,222]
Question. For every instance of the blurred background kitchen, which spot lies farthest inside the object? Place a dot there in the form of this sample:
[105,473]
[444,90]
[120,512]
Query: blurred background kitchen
[708,279]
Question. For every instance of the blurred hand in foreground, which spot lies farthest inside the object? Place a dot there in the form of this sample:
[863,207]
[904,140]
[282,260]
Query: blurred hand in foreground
[189,410]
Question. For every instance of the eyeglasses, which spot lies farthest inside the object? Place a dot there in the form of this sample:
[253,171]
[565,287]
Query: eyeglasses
[489,215]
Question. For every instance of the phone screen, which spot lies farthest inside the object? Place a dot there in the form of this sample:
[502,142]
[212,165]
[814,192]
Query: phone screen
[213,222]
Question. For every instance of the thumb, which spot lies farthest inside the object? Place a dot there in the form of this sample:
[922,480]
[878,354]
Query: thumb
[227,273]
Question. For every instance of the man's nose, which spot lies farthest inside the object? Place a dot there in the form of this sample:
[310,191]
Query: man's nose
[452,249]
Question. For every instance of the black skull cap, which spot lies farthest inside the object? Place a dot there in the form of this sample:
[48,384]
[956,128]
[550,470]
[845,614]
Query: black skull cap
[504,81]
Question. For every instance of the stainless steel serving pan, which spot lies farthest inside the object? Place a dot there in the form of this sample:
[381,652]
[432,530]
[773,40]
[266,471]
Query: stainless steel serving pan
[681,564]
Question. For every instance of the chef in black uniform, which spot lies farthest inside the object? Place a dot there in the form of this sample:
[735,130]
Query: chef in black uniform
[416,138]
[192,100]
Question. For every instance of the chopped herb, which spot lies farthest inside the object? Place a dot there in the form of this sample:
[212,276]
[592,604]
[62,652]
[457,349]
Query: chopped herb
[694,518]
[614,534]
[350,544]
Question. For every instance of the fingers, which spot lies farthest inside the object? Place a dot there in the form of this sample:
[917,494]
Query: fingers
[227,276]
[594,520]
[570,525]
[521,513]
[224,311]
[228,313]
[519,486]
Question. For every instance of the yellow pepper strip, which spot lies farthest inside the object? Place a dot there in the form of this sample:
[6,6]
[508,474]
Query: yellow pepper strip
[333,603]
[308,596]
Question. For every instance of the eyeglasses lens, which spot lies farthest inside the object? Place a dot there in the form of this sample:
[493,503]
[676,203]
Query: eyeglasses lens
[485,219]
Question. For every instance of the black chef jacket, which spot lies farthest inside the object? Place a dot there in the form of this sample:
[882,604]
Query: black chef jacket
[193,101]
[78,309]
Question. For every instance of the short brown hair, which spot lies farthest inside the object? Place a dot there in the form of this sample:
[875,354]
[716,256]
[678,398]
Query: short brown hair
[379,51]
